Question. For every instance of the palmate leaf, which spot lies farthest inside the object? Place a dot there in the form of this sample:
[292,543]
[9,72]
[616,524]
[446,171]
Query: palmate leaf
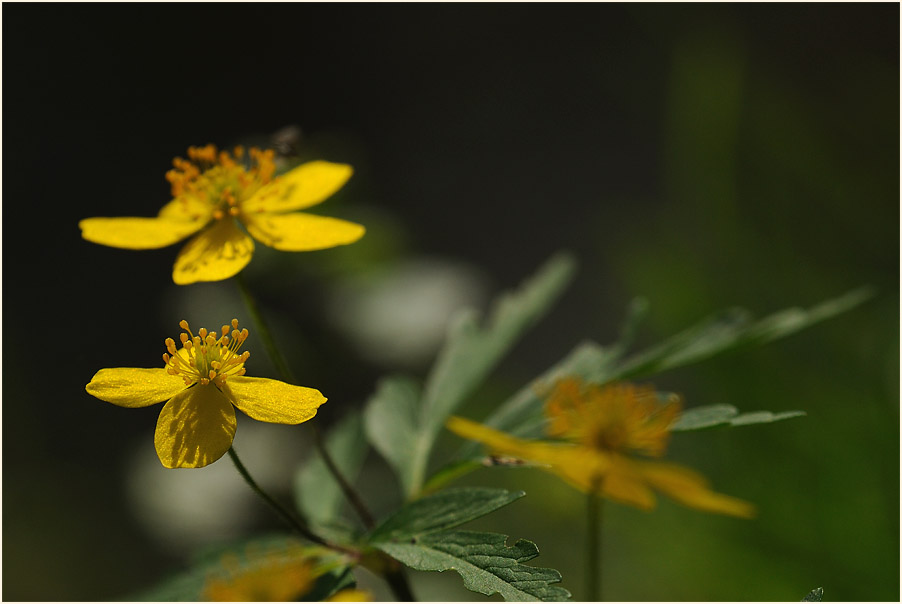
[485,563]
[402,423]
[418,536]
[521,415]
[712,336]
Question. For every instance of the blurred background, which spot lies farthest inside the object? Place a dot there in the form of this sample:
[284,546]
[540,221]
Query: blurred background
[703,156]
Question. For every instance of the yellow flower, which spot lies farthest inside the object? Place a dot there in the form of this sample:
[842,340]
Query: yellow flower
[215,191]
[275,577]
[273,581]
[602,425]
[201,382]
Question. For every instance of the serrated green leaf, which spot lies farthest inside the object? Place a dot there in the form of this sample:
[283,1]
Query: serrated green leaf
[710,416]
[815,595]
[402,427]
[317,493]
[441,511]
[485,563]
[730,330]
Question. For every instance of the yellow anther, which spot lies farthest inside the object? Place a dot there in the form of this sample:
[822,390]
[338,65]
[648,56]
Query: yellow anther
[218,215]
[225,330]
[184,325]
[216,365]
[234,211]
[235,323]
[202,332]
[183,337]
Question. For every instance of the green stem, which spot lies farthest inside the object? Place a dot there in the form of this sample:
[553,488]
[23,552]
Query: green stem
[292,521]
[270,344]
[285,372]
[593,546]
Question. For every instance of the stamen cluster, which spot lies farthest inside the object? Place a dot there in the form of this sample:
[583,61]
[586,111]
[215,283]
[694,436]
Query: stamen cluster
[618,417]
[206,358]
[220,178]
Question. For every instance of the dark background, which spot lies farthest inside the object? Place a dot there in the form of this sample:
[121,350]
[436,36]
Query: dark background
[703,156]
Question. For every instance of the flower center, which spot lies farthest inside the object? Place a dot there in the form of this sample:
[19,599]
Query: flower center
[206,358]
[219,178]
[617,417]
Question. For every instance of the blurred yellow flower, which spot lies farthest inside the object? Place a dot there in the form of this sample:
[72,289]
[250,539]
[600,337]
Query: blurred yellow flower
[602,426]
[278,580]
[213,191]
[201,382]
[276,577]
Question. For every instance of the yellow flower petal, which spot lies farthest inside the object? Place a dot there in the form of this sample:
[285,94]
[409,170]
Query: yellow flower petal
[541,452]
[299,232]
[627,488]
[187,208]
[690,488]
[303,187]
[273,401]
[137,233]
[214,254]
[351,595]
[195,428]
[133,387]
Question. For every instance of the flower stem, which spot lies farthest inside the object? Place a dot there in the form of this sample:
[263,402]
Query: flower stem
[286,374]
[593,546]
[294,522]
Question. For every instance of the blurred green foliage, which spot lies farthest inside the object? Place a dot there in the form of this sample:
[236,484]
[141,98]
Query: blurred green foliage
[704,157]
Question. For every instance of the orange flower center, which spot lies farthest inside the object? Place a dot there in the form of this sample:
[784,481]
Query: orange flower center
[617,417]
[206,358]
[219,178]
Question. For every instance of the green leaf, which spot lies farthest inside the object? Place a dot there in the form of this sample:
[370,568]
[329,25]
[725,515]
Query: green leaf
[402,428]
[815,595]
[472,351]
[391,419]
[316,492]
[485,563]
[328,584]
[710,416]
[441,511]
[731,330]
